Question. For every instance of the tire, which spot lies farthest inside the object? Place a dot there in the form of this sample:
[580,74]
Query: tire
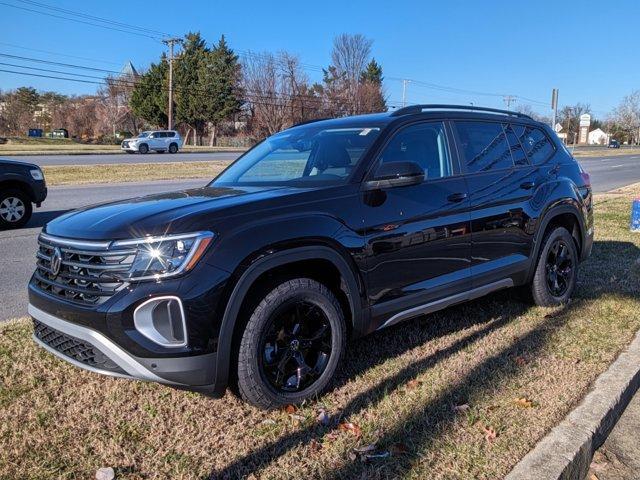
[15,208]
[173,148]
[143,149]
[552,270]
[255,382]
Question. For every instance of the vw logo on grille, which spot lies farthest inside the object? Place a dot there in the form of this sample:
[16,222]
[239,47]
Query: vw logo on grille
[56,261]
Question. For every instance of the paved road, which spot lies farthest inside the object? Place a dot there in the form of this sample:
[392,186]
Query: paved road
[124,158]
[619,457]
[17,247]
[608,173]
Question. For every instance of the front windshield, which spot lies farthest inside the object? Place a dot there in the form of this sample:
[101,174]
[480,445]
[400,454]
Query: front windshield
[301,155]
[143,135]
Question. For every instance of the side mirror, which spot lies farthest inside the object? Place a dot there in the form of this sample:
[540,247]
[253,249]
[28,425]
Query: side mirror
[396,174]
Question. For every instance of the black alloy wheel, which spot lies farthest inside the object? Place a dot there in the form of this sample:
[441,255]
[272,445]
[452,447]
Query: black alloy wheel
[292,344]
[556,272]
[559,267]
[296,347]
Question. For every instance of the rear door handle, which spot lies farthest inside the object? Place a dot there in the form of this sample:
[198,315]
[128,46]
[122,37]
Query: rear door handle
[457,197]
[527,185]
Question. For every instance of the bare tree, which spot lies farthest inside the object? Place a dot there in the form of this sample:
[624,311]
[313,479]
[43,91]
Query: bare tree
[350,56]
[277,92]
[627,116]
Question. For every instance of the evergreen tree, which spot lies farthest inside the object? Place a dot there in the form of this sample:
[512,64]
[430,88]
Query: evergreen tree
[220,79]
[150,96]
[373,73]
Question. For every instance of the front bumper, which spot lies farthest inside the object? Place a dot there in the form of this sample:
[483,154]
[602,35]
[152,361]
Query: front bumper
[91,350]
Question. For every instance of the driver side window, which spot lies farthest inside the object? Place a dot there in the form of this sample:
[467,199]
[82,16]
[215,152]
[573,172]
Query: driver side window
[424,144]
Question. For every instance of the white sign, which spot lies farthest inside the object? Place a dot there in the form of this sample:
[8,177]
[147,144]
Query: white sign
[585,120]
[558,127]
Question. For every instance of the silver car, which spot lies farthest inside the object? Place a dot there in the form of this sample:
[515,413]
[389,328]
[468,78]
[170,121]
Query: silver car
[158,140]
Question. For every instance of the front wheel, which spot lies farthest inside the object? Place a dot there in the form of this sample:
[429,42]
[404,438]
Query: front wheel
[15,208]
[292,344]
[555,277]
[143,149]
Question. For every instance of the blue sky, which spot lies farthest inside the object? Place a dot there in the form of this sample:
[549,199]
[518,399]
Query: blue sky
[588,49]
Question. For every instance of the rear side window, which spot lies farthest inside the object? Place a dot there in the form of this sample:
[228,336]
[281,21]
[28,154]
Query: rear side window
[514,133]
[171,134]
[424,144]
[484,145]
[536,145]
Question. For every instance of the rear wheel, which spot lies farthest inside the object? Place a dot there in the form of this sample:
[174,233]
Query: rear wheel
[173,148]
[291,345]
[556,273]
[144,148]
[15,208]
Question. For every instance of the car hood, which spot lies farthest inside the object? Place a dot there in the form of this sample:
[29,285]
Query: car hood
[131,139]
[15,163]
[172,212]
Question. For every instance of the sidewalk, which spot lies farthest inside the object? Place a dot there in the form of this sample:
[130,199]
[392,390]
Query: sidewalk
[619,457]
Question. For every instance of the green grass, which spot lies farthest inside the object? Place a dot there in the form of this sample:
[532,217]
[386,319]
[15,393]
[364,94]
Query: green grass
[400,386]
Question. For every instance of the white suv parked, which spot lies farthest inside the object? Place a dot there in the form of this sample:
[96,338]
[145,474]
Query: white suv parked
[158,140]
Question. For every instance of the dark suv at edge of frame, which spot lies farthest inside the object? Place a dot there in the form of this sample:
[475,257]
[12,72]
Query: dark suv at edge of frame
[326,231]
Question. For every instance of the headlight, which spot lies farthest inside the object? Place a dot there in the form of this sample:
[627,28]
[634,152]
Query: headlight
[36,174]
[166,256]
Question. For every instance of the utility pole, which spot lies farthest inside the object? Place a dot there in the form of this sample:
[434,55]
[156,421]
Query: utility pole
[404,91]
[508,99]
[554,107]
[171,42]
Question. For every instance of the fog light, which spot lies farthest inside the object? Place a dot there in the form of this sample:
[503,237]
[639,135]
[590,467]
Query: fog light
[161,320]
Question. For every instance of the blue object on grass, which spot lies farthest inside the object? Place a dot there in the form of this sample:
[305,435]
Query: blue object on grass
[635,215]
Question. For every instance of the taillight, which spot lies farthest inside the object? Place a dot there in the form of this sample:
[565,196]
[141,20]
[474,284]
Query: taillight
[586,179]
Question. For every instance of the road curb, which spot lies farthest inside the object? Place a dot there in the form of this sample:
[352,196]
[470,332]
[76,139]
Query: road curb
[566,452]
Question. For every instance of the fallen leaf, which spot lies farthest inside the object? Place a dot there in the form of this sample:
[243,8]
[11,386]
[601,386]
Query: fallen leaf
[398,449]
[352,456]
[520,361]
[296,418]
[461,408]
[523,402]
[412,384]
[490,434]
[290,409]
[323,418]
[314,445]
[350,427]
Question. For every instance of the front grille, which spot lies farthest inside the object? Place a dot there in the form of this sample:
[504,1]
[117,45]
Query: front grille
[74,348]
[88,274]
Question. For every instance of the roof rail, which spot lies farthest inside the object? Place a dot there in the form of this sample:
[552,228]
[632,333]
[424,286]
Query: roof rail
[413,109]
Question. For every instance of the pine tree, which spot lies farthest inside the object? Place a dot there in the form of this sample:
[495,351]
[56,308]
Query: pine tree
[150,97]
[373,73]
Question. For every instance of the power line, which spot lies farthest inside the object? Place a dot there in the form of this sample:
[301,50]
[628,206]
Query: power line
[247,95]
[48,52]
[140,34]
[60,64]
[92,17]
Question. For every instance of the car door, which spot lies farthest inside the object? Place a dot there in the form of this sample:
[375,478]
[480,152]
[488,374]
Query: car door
[418,236]
[500,183]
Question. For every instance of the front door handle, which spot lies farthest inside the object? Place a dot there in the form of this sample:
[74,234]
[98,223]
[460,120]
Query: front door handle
[457,197]
[527,185]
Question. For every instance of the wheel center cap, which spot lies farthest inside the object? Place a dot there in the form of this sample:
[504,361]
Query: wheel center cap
[294,345]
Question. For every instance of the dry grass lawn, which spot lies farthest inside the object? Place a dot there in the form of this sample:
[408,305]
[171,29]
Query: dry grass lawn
[463,393]
[133,172]
[47,146]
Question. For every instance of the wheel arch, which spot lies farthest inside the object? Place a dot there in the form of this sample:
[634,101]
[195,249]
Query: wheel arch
[565,214]
[12,183]
[230,328]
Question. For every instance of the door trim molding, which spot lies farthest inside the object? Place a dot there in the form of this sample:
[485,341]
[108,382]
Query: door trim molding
[447,301]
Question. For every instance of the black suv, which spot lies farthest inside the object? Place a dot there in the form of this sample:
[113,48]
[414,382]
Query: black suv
[21,185]
[326,231]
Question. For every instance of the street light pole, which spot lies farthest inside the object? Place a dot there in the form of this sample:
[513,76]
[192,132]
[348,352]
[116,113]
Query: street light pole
[171,42]
[404,91]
